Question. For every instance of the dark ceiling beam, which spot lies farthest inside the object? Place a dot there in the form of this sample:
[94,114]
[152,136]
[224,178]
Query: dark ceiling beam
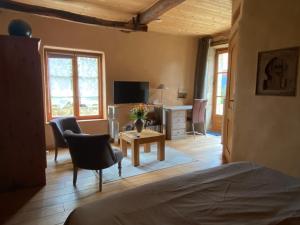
[158,9]
[56,13]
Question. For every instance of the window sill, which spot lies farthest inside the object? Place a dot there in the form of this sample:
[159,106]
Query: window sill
[90,120]
[85,120]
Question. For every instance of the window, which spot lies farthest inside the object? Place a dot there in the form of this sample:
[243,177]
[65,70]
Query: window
[73,84]
[220,80]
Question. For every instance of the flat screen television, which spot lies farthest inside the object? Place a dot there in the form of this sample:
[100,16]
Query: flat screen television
[131,92]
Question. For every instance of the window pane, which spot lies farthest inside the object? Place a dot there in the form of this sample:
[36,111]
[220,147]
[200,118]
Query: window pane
[88,85]
[223,62]
[220,105]
[221,86]
[61,86]
[62,106]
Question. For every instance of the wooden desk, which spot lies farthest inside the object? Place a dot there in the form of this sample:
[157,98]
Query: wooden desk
[146,137]
[176,121]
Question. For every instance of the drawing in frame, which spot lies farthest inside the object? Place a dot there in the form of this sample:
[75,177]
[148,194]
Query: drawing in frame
[277,72]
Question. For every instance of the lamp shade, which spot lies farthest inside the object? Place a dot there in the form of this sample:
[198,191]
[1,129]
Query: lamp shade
[161,87]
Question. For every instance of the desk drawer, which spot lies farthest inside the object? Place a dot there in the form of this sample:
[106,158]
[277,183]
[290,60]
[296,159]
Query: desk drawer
[178,133]
[176,120]
[178,114]
[179,125]
[175,124]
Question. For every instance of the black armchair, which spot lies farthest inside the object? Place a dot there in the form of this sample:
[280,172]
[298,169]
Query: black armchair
[92,152]
[154,119]
[59,125]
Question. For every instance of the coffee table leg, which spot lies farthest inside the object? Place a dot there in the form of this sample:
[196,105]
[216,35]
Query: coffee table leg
[147,147]
[135,152]
[161,150]
[124,147]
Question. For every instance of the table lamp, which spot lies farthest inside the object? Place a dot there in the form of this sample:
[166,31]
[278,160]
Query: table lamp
[161,87]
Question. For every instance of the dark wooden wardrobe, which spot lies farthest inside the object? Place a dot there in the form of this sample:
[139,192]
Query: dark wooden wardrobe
[22,131]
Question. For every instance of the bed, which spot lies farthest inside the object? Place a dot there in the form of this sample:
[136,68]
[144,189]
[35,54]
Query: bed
[232,194]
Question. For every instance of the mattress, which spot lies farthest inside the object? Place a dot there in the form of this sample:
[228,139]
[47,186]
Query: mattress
[233,194]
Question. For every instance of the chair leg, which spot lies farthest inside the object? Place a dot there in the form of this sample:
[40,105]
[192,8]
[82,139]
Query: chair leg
[204,124]
[56,151]
[204,129]
[193,126]
[100,180]
[75,170]
[120,168]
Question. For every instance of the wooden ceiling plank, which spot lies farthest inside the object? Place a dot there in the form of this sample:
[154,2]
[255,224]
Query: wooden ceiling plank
[203,19]
[49,12]
[195,18]
[192,17]
[189,22]
[128,6]
[158,9]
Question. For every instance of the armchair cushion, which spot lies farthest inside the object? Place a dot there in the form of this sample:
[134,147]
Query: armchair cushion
[118,155]
[61,124]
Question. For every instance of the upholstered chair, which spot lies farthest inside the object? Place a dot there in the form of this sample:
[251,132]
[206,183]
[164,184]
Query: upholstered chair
[92,152]
[199,115]
[59,125]
[154,119]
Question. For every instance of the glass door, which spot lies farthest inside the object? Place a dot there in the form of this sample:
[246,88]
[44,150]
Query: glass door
[220,81]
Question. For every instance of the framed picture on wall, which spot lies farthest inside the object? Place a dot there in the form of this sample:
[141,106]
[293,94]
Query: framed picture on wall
[277,72]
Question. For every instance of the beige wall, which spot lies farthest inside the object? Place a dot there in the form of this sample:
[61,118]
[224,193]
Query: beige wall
[158,58]
[266,128]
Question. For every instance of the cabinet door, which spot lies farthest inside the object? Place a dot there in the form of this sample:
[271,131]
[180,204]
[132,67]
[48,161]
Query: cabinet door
[23,153]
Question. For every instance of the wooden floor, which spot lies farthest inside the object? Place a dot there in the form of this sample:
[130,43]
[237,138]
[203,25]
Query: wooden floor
[51,204]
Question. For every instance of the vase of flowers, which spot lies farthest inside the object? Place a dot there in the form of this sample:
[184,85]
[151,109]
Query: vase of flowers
[138,115]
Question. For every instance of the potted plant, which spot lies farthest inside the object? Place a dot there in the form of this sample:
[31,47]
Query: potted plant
[139,115]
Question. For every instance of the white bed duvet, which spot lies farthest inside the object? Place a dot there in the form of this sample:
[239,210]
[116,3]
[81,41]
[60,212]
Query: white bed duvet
[233,194]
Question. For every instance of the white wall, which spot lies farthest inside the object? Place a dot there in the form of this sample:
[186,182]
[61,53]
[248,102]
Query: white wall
[267,128]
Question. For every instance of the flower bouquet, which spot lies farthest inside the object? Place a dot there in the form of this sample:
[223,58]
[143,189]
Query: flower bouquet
[139,115]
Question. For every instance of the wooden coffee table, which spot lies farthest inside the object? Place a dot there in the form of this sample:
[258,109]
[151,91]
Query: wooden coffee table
[146,137]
